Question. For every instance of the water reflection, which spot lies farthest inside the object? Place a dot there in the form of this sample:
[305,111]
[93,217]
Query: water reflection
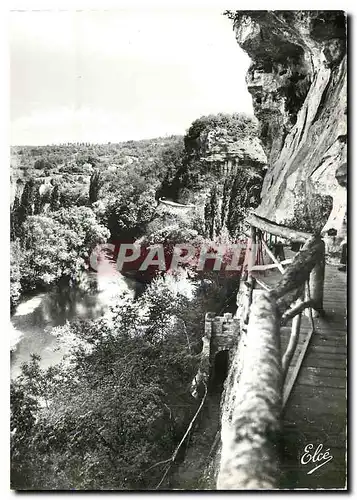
[36,315]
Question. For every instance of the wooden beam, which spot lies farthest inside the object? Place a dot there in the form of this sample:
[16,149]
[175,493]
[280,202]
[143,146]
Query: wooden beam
[253,248]
[284,303]
[266,267]
[299,270]
[293,342]
[263,285]
[273,258]
[316,285]
[297,309]
[277,229]
[290,381]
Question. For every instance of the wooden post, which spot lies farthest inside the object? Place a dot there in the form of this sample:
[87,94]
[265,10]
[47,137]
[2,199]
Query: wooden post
[293,342]
[316,284]
[250,282]
[253,251]
[247,282]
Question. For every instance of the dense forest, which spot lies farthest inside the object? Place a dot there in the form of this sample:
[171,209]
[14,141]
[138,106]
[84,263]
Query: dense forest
[120,401]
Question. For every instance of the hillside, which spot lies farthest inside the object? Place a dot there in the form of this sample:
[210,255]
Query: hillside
[222,171]
[71,165]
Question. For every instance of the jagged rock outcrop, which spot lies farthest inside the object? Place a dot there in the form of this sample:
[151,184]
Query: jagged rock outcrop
[223,170]
[220,149]
[298,80]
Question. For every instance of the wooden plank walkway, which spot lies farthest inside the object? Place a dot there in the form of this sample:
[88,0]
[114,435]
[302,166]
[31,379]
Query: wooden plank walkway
[316,410]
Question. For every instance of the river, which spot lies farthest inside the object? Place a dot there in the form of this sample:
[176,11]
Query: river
[38,313]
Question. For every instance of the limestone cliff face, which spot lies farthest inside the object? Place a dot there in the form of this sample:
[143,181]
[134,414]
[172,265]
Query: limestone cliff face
[298,80]
[218,148]
[223,170]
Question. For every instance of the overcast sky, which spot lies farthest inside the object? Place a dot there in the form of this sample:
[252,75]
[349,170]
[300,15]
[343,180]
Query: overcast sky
[104,76]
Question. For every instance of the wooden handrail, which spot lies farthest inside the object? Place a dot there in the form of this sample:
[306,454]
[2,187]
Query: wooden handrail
[252,463]
[249,458]
[277,229]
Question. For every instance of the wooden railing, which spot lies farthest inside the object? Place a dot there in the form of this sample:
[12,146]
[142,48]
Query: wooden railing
[249,455]
[277,229]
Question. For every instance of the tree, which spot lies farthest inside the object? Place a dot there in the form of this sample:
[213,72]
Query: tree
[128,210]
[121,403]
[42,164]
[170,163]
[47,252]
[24,408]
[55,198]
[15,274]
[14,219]
[27,205]
[59,246]
[211,211]
[83,222]
[94,187]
